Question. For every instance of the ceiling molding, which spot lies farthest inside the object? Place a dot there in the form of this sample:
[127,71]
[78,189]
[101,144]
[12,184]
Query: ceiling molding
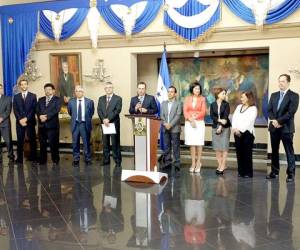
[244,33]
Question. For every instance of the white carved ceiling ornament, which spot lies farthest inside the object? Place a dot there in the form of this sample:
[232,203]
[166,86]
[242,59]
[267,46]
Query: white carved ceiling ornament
[58,20]
[129,15]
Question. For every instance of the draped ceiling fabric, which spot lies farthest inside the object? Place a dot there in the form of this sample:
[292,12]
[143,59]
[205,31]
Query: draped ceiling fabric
[71,20]
[191,18]
[18,34]
[279,10]
[188,18]
[129,16]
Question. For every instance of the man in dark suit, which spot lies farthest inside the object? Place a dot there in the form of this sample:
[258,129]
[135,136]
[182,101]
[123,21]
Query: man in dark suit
[282,107]
[143,103]
[109,108]
[66,83]
[5,126]
[170,114]
[81,110]
[47,111]
[24,105]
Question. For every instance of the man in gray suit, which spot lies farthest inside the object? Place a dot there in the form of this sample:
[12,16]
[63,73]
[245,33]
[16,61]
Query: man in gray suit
[170,114]
[5,128]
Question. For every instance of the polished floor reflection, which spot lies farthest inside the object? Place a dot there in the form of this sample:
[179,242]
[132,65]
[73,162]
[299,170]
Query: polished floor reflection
[90,208]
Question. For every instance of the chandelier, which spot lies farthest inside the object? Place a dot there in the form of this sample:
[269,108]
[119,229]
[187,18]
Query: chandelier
[98,72]
[32,72]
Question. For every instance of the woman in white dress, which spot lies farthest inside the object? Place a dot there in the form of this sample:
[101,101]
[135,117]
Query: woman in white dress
[194,110]
[243,121]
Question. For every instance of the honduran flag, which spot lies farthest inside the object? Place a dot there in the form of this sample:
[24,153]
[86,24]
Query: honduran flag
[163,83]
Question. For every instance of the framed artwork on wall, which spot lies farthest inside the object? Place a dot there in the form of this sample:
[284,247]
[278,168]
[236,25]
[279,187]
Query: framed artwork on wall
[234,73]
[65,74]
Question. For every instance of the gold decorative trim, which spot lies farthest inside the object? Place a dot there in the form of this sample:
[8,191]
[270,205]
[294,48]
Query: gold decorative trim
[228,34]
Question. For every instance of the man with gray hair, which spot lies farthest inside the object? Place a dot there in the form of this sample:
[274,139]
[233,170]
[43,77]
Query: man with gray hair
[109,108]
[81,110]
[66,83]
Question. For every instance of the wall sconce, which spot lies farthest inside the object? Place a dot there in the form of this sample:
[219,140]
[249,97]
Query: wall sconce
[295,70]
[32,72]
[98,72]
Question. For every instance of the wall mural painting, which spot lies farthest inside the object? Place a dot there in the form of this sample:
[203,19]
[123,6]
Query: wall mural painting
[234,73]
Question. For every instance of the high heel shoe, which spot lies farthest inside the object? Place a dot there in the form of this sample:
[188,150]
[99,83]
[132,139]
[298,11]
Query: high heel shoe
[218,172]
[192,169]
[198,169]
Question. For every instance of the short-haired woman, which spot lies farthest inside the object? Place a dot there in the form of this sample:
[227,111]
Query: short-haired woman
[194,110]
[243,121]
[219,113]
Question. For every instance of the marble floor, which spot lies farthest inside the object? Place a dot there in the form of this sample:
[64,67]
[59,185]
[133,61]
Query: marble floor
[90,208]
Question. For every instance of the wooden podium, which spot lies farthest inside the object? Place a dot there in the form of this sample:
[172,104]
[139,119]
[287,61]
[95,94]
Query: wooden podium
[145,131]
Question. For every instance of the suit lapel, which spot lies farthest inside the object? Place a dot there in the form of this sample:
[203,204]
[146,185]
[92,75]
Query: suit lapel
[85,106]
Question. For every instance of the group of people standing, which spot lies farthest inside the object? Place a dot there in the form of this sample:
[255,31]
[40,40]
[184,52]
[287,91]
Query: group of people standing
[281,108]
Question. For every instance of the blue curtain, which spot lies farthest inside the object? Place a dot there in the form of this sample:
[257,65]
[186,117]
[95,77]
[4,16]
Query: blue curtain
[116,23]
[56,6]
[274,16]
[17,40]
[192,7]
[69,28]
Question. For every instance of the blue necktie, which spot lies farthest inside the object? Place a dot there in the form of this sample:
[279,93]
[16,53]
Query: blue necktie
[79,114]
[280,99]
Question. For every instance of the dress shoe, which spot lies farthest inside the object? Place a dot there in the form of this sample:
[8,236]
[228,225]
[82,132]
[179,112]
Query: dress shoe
[218,172]
[18,161]
[118,165]
[88,163]
[290,178]
[247,176]
[75,164]
[271,176]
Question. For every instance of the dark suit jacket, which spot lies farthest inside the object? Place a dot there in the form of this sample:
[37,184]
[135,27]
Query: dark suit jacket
[89,112]
[5,110]
[51,111]
[25,109]
[113,110]
[66,87]
[285,114]
[224,114]
[149,103]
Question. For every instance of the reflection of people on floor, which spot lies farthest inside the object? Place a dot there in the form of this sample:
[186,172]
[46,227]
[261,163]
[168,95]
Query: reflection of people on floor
[3,211]
[83,212]
[220,208]
[111,217]
[280,224]
[243,222]
[194,232]
[22,215]
[170,217]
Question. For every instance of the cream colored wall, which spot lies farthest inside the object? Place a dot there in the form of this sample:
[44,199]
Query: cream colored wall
[122,64]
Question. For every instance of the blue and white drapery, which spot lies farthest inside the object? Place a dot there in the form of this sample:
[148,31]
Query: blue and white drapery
[129,16]
[191,18]
[163,83]
[71,21]
[278,10]
[18,33]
